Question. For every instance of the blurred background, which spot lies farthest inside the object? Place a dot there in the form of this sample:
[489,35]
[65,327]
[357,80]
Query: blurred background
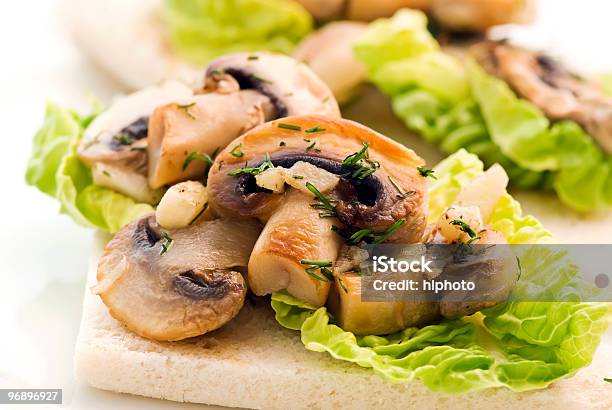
[44,256]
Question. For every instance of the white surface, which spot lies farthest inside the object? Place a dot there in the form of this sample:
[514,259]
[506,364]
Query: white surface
[43,256]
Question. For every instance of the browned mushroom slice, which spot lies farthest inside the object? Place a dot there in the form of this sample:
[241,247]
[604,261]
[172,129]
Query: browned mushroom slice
[550,86]
[293,236]
[171,285]
[374,194]
[372,318]
[480,15]
[114,145]
[329,52]
[200,125]
[291,86]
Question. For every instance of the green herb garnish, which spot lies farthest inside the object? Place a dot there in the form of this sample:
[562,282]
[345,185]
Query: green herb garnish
[105,172]
[282,144]
[609,380]
[426,172]
[402,194]
[321,266]
[311,146]
[252,57]
[360,163]
[298,177]
[186,107]
[464,227]
[314,129]
[123,139]
[236,152]
[138,148]
[289,126]
[342,285]
[195,218]
[325,203]
[197,156]
[367,235]
[167,243]
[265,165]
[261,79]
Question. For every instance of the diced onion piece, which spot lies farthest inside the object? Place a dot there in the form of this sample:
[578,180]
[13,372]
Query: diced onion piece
[181,204]
[302,172]
[297,176]
[455,231]
[272,179]
[485,191]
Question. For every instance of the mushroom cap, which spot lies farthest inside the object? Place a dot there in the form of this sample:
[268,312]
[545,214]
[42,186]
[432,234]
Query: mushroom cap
[374,202]
[192,288]
[329,53]
[127,116]
[549,85]
[292,87]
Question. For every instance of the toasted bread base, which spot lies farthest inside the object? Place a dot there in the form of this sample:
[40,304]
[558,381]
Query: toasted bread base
[254,363]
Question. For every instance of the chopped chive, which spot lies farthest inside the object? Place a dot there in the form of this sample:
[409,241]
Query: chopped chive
[167,243]
[105,172]
[186,107]
[426,172]
[195,218]
[265,165]
[325,202]
[311,146]
[197,156]
[321,266]
[402,194]
[314,129]
[388,232]
[289,126]
[360,163]
[341,283]
[252,57]
[465,228]
[236,152]
[306,140]
[123,139]
[138,148]
[609,380]
[298,177]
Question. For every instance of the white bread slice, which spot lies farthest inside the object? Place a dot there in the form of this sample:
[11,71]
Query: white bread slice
[252,362]
[126,39]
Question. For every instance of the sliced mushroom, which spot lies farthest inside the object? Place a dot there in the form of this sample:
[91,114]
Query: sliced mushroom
[324,10]
[241,91]
[329,52]
[114,145]
[293,235]
[550,86]
[202,124]
[291,86]
[372,318]
[171,285]
[491,265]
[480,15]
[487,260]
[394,191]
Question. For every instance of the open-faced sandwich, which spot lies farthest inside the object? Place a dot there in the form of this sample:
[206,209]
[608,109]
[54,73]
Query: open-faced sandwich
[549,128]
[155,40]
[243,212]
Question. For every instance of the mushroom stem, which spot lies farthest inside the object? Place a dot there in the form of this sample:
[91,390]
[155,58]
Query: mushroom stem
[294,234]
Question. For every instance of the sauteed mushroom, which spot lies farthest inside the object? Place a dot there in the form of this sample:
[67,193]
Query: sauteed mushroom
[241,91]
[329,52]
[114,145]
[291,86]
[379,186]
[171,285]
[550,86]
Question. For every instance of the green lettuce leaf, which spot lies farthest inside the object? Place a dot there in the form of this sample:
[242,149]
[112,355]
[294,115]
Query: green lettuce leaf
[201,30]
[457,105]
[519,345]
[55,169]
